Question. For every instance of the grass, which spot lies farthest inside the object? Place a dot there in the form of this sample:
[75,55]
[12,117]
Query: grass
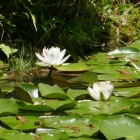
[23,61]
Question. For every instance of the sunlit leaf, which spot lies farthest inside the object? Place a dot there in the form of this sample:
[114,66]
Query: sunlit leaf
[99,107]
[36,107]
[74,125]
[7,50]
[120,126]
[60,105]
[8,107]
[102,58]
[127,92]
[89,77]
[77,94]
[72,67]
[54,92]
[135,45]
[27,92]
[25,123]
[123,50]
[7,87]
[20,136]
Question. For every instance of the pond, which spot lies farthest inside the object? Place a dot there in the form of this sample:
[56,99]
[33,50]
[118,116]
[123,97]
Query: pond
[60,107]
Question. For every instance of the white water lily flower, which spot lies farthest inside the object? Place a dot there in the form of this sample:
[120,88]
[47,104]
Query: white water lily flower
[52,56]
[101,90]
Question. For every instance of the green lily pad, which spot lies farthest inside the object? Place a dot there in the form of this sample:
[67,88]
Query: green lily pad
[7,87]
[86,77]
[123,51]
[36,107]
[60,105]
[102,58]
[127,92]
[20,136]
[135,45]
[72,67]
[74,125]
[120,126]
[20,122]
[77,94]
[8,107]
[99,107]
[52,92]
[27,92]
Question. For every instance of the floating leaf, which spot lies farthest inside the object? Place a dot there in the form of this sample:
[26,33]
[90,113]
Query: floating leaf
[102,58]
[127,92]
[99,107]
[120,126]
[60,105]
[20,136]
[135,45]
[27,92]
[54,92]
[74,125]
[60,81]
[20,122]
[123,51]
[8,107]
[36,107]
[77,94]
[72,67]
[89,77]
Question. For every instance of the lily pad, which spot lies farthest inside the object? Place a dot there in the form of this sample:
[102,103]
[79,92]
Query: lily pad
[8,107]
[36,107]
[72,67]
[27,92]
[52,92]
[77,94]
[127,92]
[123,51]
[74,125]
[20,122]
[99,107]
[120,126]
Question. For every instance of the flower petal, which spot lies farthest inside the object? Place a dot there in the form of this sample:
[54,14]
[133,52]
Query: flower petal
[63,60]
[106,89]
[62,53]
[53,56]
[93,94]
[41,58]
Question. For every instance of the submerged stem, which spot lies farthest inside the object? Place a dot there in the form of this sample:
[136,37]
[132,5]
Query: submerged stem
[50,72]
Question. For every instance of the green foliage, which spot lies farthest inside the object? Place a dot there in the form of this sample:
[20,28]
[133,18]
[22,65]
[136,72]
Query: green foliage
[80,26]
[7,50]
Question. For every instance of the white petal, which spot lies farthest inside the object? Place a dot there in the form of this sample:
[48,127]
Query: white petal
[97,87]
[55,55]
[106,95]
[41,58]
[62,53]
[106,90]
[93,94]
[46,53]
[63,60]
